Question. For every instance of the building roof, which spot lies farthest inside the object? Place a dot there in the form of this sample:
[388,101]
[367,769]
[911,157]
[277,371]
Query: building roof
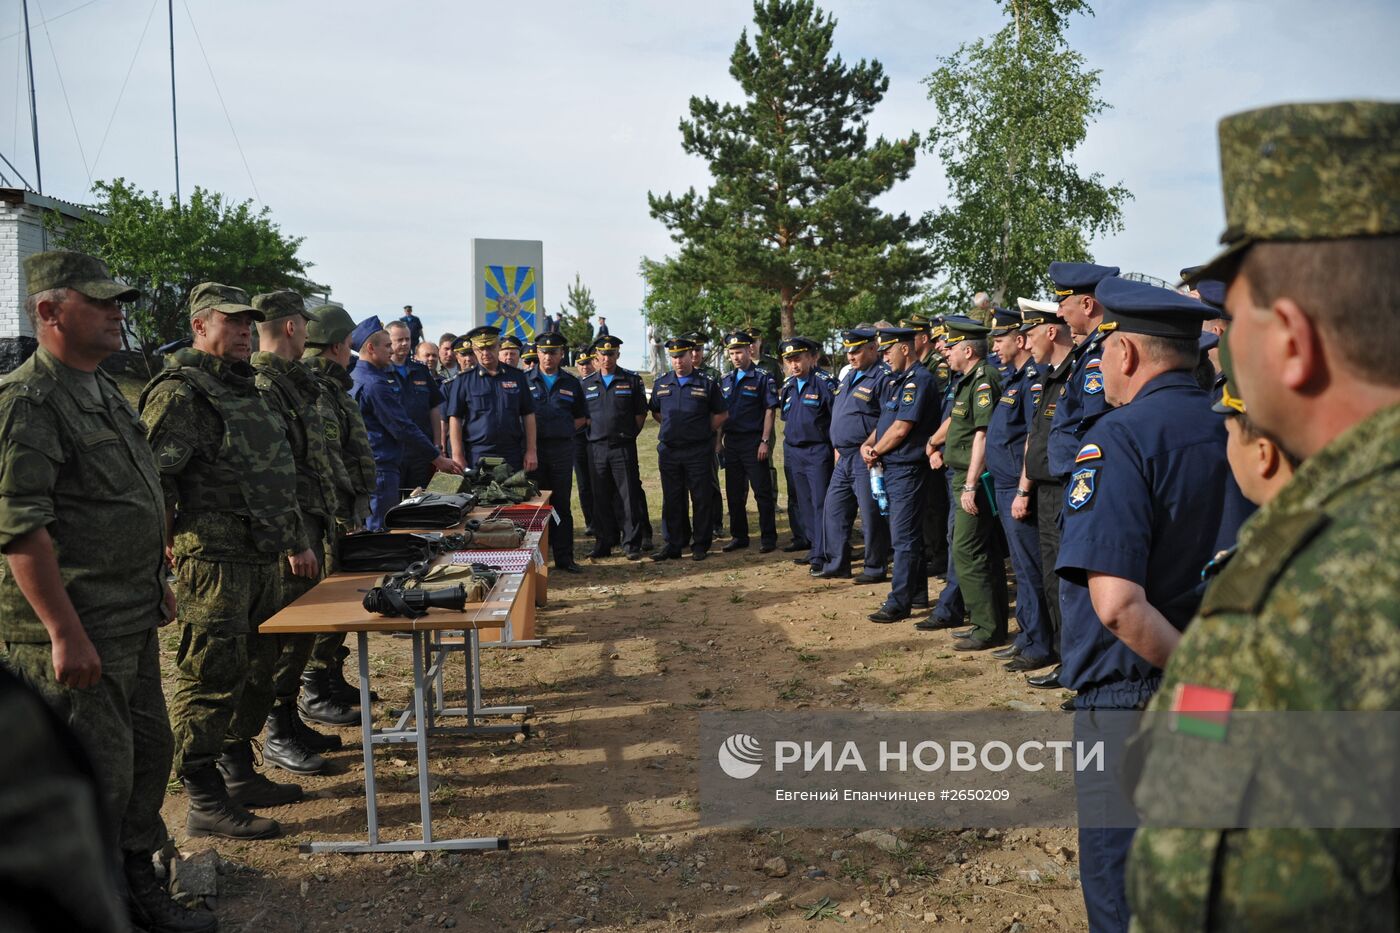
[43,202]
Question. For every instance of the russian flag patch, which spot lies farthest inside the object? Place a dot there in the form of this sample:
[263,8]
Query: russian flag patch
[1088,452]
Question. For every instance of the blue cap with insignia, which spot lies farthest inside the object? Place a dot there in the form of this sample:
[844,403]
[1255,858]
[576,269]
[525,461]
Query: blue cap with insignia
[737,340]
[796,346]
[1078,278]
[1004,322]
[857,337]
[1150,310]
[889,336]
[484,336]
[511,342]
[609,344]
[528,352]
[363,331]
[551,340]
[677,346]
[962,328]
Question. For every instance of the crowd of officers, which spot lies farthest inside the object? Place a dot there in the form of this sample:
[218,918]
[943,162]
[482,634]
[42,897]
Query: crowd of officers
[1101,452]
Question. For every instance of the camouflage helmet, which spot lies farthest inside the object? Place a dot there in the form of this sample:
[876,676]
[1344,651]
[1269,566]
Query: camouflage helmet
[328,325]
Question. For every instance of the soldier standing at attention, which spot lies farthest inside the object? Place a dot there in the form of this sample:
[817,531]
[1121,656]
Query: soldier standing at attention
[1305,616]
[690,409]
[559,412]
[961,444]
[615,400]
[289,389]
[854,413]
[747,444]
[230,483]
[806,401]
[491,412]
[583,472]
[82,527]
[422,399]
[935,522]
[325,694]
[908,415]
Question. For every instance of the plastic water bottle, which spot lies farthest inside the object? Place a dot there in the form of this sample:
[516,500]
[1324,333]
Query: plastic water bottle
[877,488]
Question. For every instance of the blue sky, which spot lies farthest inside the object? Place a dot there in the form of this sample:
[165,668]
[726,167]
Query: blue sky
[389,135]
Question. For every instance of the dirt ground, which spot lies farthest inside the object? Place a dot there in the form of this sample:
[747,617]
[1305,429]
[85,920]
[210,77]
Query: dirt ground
[600,803]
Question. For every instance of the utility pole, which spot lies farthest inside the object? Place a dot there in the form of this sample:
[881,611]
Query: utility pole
[33,112]
[174,117]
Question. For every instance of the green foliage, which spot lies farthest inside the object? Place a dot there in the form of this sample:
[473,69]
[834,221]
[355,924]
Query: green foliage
[1012,109]
[165,248]
[576,314]
[789,219]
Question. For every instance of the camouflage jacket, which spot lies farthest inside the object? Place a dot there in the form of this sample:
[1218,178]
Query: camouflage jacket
[225,465]
[349,447]
[1305,616]
[291,393]
[82,469]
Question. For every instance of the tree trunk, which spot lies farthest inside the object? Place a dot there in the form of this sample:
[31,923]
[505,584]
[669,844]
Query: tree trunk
[788,322]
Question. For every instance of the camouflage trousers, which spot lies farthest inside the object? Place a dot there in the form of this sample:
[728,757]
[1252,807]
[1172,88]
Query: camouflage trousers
[223,690]
[325,651]
[294,650]
[121,723]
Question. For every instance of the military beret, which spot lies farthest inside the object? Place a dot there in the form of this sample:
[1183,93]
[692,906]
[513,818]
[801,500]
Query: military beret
[364,330]
[737,340]
[551,340]
[1307,172]
[607,343]
[1074,278]
[328,325]
[62,268]
[857,337]
[889,336]
[1035,313]
[1141,308]
[1004,322]
[224,299]
[277,305]
[484,336]
[963,328]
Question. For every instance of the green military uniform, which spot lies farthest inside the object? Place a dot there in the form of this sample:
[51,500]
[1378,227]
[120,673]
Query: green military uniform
[1304,616]
[976,547]
[227,469]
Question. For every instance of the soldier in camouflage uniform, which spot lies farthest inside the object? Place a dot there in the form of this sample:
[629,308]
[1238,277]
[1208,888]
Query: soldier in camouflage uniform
[326,696]
[291,393]
[1306,615]
[229,478]
[82,527]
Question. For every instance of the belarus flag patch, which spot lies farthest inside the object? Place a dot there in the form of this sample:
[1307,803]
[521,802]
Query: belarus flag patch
[1201,711]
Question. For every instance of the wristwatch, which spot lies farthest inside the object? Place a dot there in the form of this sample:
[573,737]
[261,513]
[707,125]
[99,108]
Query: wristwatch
[969,489]
[1023,494]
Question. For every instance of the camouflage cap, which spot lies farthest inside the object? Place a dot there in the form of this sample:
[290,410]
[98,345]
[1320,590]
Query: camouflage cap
[1307,172]
[222,298]
[328,325]
[277,305]
[62,268]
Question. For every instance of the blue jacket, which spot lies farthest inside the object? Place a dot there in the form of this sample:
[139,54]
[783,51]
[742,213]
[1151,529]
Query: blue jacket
[393,436]
[1011,420]
[911,395]
[1080,398]
[492,410]
[556,406]
[422,393]
[856,410]
[613,407]
[750,395]
[806,409]
[685,409]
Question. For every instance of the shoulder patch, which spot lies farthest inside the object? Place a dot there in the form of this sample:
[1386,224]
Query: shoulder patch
[1095,363]
[1088,452]
[1093,381]
[1080,491]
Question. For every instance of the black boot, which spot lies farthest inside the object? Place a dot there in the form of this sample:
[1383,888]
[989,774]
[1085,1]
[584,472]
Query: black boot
[319,704]
[316,741]
[150,905]
[346,692]
[284,747]
[212,813]
[246,786]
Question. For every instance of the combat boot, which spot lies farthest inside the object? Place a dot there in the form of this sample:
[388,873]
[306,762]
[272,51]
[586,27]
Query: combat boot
[150,906]
[246,786]
[319,704]
[284,746]
[316,741]
[344,691]
[212,813]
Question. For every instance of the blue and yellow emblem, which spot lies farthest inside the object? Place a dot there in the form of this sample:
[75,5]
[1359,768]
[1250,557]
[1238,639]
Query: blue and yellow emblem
[510,300]
[1081,488]
[1093,378]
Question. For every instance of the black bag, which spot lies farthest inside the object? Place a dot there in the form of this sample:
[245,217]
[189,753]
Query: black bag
[430,510]
[384,552]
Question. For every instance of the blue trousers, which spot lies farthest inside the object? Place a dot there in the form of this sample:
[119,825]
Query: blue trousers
[950,601]
[811,475]
[618,509]
[1036,640]
[905,484]
[849,489]
[796,521]
[556,473]
[687,471]
[1106,823]
[743,469]
[384,497]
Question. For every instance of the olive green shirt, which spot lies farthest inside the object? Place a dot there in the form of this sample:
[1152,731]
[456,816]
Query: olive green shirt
[1305,616]
[971,412]
[81,468]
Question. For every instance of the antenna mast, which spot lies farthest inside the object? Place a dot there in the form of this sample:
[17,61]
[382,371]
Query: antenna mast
[33,112]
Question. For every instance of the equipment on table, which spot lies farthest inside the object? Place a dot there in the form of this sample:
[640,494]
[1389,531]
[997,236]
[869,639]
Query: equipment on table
[430,510]
[413,591]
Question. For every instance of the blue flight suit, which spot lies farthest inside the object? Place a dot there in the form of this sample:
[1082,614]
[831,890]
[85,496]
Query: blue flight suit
[854,414]
[1143,503]
[492,410]
[1081,397]
[421,394]
[910,395]
[751,394]
[951,607]
[392,435]
[685,454]
[806,412]
[613,406]
[1006,447]
[558,403]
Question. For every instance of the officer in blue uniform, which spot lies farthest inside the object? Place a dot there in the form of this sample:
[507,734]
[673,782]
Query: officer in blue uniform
[511,346]
[559,412]
[583,472]
[806,402]
[392,433]
[1144,496]
[908,417]
[616,404]
[422,396]
[1006,447]
[530,357]
[690,408]
[490,409]
[1082,395]
[854,414]
[747,445]
[951,609]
